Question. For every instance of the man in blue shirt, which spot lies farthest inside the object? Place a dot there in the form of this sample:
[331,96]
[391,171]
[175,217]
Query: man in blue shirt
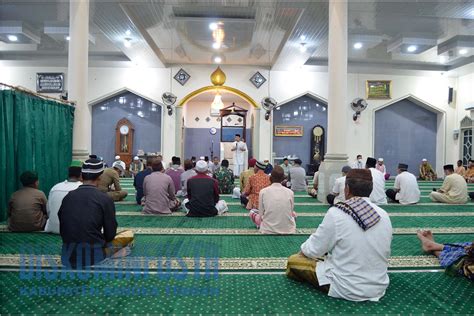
[138,181]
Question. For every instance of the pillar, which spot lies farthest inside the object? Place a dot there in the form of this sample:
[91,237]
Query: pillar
[78,63]
[336,156]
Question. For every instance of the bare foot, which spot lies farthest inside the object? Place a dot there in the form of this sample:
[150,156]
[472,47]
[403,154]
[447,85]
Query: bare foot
[426,243]
[428,234]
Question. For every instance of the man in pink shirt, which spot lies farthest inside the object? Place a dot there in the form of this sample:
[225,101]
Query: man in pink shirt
[175,172]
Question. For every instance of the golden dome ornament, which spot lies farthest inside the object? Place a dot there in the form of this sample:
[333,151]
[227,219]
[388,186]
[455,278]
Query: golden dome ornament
[218,77]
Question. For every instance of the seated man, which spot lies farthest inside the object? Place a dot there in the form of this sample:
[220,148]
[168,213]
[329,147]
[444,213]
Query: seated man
[456,257]
[269,167]
[286,167]
[357,235]
[121,163]
[275,213]
[460,170]
[136,166]
[109,182]
[57,194]
[188,173]
[139,178]
[359,163]
[88,225]
[426,171]
[381,167]
[297,177]
[469,175]
[337,193]
[454,189]
[313,192]
[27,206]
[406,190]
[175,171]
[225,178]
[243,180]
[378,191]
[214,165]
[256,182]
[203,194]
[158,189]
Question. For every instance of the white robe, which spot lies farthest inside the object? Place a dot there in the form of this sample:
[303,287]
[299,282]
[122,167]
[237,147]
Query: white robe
[239,157]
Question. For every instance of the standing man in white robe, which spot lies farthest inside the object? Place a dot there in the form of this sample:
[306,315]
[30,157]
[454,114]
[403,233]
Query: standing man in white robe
[378,195]
[239,148]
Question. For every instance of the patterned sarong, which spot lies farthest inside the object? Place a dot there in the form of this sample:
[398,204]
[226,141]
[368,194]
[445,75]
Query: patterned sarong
[361,211]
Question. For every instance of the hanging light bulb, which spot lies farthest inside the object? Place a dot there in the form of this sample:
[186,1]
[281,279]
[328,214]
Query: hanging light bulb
[217,104]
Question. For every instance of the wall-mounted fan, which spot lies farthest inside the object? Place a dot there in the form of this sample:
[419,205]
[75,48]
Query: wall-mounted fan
[268,104]
[169,99]
[358,105]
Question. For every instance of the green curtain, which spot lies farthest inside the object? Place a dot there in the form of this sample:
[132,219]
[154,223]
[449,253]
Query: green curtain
[35,134]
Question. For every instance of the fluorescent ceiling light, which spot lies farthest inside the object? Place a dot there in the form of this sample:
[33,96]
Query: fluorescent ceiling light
[218,59]
[358,45]
[412,48]
[463,51]
[12,38]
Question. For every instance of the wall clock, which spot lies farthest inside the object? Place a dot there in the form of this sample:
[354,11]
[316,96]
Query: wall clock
[124,129]
[213,131]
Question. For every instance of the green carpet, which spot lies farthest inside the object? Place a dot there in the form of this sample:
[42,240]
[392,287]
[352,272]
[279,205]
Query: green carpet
[228,246]
[411,293]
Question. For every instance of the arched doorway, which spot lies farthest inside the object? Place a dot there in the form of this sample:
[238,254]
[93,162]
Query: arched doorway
[407,131]
[306,112]
[144,114]
[201,131]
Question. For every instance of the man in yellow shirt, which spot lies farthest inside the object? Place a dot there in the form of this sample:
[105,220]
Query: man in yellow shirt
[454,189]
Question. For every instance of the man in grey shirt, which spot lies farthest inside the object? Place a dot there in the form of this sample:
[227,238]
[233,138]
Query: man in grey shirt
[297,177]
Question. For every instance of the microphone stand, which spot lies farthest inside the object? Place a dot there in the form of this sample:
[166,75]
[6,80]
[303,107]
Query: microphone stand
[212,149]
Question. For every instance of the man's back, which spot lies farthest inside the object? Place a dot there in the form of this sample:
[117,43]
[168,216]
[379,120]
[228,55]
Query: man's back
[27,210]
[378,195]
[298,179]
[225,179]
[159,192]
[109,177]
[409,191]
[456,187]
[356,267]
[84,213]
[338,188]
[203,194]
[55,198]
[244,178]
[276,209]
[175,174]
[138,183]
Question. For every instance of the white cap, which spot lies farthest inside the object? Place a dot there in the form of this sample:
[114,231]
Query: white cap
[381,159]
[136,158]
[117,157]
[201,166]
[424,160]
[118,166]
[201,158]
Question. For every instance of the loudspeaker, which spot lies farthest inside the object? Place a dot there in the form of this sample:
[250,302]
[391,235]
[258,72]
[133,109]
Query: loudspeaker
[450,95]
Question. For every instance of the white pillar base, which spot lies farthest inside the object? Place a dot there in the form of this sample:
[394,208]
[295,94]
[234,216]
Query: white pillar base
[329,171]
[80,154]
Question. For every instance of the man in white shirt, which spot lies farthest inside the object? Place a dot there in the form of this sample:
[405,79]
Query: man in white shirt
[57,194]
[354,239]
[239,148]
[337,192]
[359,163]
[378,195]
[406,190]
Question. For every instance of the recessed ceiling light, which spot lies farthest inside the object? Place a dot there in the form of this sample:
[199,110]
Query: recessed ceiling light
[303,48]
[213,26]
[358,45]
[128,32]
[12,38]
[218,59]
[303,37]
[216,45]
[68,38]
[463,51]
[412,48]
[127,42]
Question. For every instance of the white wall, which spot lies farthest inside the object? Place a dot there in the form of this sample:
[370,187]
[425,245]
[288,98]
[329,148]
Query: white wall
[152,82]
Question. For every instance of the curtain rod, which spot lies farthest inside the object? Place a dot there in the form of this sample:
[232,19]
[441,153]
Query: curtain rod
[41,96]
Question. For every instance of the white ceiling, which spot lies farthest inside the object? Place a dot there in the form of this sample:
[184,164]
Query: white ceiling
[260,33]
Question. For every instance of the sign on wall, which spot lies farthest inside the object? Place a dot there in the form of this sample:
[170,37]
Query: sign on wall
[285,130]
[379,89]
[48,82]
